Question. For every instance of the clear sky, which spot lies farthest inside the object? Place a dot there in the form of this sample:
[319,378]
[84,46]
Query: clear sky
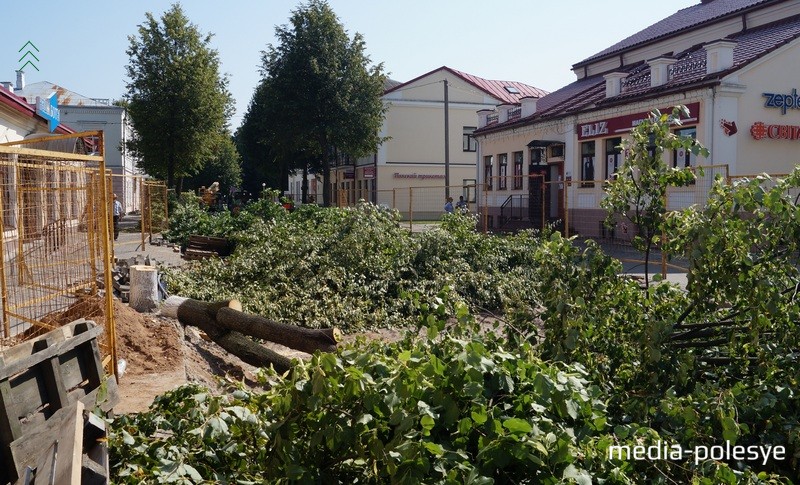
[82,43]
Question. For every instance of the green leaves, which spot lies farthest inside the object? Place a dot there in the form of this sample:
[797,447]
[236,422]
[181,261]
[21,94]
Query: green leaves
[178,100]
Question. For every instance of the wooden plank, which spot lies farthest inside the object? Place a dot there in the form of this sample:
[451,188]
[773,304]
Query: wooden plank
[65,428]
[30,395]
[10,430]
[11,367]
[51,374]
[70,452]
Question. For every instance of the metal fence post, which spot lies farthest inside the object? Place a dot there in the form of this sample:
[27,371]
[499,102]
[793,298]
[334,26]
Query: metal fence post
[141,206]
[411,209]
[566,207]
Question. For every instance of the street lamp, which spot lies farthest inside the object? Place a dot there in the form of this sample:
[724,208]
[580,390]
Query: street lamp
[263,190]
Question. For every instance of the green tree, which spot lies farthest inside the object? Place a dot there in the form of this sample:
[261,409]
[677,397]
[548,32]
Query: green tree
[638,191]
[259,141]
[320,91]
[178,101]
[224,167]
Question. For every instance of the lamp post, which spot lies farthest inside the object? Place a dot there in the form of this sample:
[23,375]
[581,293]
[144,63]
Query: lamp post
[263,190]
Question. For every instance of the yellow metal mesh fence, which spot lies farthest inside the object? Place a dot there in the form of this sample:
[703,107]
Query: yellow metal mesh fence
[54,256]
[144,209]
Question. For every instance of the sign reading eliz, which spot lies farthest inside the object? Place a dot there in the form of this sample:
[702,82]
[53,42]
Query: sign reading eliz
[624,124]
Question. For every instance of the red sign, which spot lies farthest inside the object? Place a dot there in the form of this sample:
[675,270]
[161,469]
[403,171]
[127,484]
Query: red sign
[369,172]
[761,130]
[624,124]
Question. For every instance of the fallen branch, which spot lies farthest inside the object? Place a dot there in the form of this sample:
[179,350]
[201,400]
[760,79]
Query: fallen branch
[307,340]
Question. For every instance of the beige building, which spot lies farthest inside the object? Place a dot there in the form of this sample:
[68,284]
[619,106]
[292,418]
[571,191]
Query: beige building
[734,63]
[414,154]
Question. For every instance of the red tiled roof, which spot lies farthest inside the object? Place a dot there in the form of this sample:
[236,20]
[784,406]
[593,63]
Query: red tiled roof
[688,72]
[683,20]
[491,87]
[15,102]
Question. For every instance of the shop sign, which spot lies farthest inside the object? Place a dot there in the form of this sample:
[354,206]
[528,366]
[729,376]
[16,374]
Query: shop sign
[48,109]
[420,176]
[782,102]
[369,172]
[349,174]
[624,124]
[728,127]
[761,130]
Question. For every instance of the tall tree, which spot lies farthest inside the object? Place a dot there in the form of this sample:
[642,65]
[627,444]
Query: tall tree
[178,101]
[224,167]
[259,143]
[321,91]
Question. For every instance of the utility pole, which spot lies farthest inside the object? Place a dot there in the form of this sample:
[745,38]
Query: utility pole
[446,142]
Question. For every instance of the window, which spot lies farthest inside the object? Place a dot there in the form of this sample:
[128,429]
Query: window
[7,183]
[511,89]
[537,156]
[683,158]
[557,151]
[517,170]
[587,164]
[487,172]
[503,162]
[613,156]
[470,143]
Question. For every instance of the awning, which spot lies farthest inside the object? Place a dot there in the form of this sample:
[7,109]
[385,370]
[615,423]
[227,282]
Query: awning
[543,143]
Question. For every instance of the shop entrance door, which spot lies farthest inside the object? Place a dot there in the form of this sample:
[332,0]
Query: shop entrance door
[538,201]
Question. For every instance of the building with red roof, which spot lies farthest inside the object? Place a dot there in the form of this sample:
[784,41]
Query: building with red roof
[734,63]
[414,152]
[19,119]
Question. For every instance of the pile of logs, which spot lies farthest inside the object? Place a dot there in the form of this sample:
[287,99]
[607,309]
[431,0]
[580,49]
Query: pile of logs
[235,331]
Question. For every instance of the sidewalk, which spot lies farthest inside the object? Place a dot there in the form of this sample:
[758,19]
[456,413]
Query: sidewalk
[129,245]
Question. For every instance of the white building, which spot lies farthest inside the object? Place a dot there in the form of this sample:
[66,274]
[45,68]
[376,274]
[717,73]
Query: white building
[91,114]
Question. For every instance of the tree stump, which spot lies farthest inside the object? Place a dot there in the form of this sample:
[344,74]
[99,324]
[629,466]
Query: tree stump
[144,288]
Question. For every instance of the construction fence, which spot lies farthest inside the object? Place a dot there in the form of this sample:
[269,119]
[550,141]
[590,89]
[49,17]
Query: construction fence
[144,199]
[55,256]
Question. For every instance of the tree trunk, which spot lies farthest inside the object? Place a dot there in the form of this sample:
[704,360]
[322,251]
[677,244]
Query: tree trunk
[203,316]
[326,182]
[299,338]
[144,288]
[234,336]
[304,183]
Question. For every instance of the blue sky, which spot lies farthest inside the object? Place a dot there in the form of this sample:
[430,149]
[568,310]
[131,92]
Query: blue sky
[82,44]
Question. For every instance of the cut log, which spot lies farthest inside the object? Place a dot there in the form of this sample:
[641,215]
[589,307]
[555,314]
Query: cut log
[203,316]
[144,288]
[307,340]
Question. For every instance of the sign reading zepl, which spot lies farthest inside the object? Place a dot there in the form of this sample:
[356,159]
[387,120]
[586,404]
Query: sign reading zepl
[782,101]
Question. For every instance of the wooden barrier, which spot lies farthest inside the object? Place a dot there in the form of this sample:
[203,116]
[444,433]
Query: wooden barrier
[45,384]
[201,247]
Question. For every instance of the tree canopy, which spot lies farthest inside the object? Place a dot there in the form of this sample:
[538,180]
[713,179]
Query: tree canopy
[178,101]
[319,93]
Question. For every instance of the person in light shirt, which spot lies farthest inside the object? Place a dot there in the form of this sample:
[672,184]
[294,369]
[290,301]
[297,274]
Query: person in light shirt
[117,207]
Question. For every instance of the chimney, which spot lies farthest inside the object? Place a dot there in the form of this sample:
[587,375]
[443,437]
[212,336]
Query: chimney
[503,110]
[614,83]
[8,86]
[528,105]
[20,80]
[659,70]
[719,55]
[483,117]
